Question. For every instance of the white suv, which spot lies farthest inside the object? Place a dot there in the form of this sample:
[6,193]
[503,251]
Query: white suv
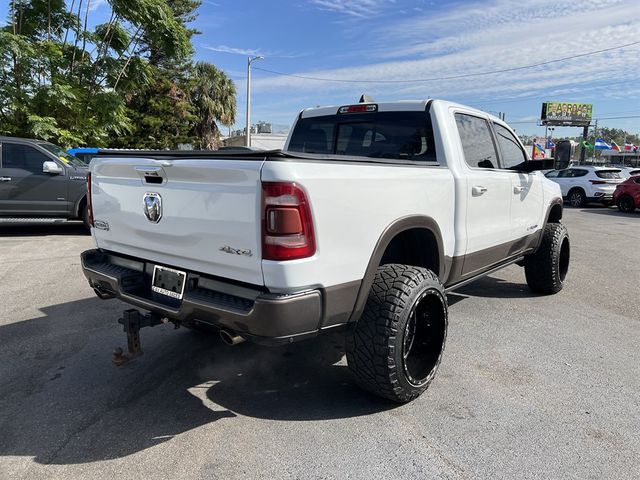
[582,183]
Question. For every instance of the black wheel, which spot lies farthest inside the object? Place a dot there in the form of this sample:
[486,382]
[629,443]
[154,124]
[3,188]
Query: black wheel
[84,216]
[396,346]
[626,204]
[576,198]
[547,268]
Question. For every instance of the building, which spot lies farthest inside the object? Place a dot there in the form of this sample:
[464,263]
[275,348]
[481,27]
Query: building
[620,158]
[262,137]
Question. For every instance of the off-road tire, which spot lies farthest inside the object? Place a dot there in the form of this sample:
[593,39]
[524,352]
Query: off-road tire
[576,198]
[626,204]
[547,268]
[401,296]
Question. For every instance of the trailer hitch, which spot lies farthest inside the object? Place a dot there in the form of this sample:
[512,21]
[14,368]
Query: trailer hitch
[132,321]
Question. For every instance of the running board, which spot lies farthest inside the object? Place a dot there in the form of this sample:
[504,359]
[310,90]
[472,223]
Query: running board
[488,272]
[33,220]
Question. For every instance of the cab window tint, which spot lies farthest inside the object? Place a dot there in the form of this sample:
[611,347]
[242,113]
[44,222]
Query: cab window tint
[477,143]
[392,135]
[15,155]
[512,155]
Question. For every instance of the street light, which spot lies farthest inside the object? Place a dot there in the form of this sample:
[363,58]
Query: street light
[248,128]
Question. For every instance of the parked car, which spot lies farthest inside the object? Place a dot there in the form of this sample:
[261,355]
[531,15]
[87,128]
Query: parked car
[361,225]
[627,172]
[85,154]
[627,194]
[40,181]
[582,184]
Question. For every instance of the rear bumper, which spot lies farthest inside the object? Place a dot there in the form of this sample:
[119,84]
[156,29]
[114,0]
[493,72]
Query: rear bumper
[256,315]
[601,197]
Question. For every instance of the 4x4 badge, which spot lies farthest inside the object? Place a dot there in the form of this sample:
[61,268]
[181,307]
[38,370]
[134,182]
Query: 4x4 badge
[152,203]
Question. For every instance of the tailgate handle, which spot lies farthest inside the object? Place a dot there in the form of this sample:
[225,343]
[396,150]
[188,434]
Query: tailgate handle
[151,174]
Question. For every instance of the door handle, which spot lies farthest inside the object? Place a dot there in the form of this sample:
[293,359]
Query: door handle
[518,189]
[478,190]
[5,179]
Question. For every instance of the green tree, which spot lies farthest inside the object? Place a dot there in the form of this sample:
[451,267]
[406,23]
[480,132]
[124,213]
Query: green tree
[213,95]
[63,82]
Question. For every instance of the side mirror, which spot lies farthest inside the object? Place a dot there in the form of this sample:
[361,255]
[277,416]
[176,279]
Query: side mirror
[51,167]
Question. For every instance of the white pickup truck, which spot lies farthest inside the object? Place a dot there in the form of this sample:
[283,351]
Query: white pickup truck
[365,220]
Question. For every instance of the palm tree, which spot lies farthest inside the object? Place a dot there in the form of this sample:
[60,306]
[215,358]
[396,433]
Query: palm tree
[213,96]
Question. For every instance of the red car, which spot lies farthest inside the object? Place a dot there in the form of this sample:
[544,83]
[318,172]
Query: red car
[627,194]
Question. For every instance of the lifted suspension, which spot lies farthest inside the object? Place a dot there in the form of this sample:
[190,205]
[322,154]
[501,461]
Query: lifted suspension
[132,321]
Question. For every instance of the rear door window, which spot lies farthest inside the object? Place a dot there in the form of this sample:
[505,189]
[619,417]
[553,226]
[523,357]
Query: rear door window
[477,142]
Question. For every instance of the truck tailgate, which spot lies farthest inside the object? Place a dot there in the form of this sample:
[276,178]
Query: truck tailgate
[210,213]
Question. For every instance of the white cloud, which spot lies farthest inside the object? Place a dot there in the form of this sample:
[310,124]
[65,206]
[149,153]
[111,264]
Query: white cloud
[485,37]
[355,8]
[96,4]
[234,50]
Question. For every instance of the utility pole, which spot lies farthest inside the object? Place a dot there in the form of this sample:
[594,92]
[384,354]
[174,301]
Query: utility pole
[248,125]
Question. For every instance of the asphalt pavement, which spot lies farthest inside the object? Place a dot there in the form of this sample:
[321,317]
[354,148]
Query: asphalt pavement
[529,387]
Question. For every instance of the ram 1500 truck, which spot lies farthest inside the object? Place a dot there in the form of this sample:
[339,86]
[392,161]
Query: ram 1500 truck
[365,220]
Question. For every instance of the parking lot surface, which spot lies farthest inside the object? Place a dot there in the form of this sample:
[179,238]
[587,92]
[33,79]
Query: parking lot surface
[529,387]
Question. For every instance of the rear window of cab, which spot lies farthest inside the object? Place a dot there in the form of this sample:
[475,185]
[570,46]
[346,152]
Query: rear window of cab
[391,135]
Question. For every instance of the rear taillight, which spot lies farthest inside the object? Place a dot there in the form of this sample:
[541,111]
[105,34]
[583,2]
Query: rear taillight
[287,226]
[89,204]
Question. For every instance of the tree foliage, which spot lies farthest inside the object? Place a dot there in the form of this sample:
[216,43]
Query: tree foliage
[129,82]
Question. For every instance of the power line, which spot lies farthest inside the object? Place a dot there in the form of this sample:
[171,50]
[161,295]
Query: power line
[452,77]
[538,95]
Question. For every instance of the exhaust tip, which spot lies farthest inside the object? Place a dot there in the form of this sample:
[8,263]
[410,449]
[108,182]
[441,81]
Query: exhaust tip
[230,338]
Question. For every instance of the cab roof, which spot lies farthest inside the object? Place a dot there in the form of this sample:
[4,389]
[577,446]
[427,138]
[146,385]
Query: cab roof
[396,106]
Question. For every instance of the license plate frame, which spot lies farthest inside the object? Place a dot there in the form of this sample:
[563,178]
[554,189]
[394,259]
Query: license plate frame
[177,283]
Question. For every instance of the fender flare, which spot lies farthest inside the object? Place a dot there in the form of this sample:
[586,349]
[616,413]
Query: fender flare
[398,226]
[552,204]
[76,208]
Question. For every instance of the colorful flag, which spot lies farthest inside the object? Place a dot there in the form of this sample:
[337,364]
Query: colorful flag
[587,145]
[602,145]
[614,146]
[538,151]
[628,146]
[550,144]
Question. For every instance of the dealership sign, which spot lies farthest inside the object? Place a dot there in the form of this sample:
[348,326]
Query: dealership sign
[565,113]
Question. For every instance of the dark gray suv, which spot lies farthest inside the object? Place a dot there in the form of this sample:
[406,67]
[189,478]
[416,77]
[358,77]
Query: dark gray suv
[40,181]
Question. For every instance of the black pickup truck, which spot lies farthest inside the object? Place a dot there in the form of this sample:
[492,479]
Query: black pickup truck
[40,182]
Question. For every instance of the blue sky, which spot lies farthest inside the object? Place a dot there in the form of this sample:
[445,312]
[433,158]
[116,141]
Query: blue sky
[373,40]
[369,41]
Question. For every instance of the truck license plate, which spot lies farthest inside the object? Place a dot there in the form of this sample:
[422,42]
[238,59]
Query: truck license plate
[168,281]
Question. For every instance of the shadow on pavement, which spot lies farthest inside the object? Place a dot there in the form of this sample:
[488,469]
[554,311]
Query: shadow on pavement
[612,212]
[63,402]
[492,287]
[42,229]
